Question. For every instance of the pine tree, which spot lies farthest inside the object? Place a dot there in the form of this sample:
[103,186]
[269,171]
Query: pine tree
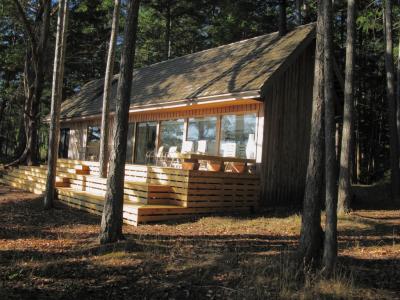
[105,119]
[311,234]
[111,221]
[56,95]
[344,196]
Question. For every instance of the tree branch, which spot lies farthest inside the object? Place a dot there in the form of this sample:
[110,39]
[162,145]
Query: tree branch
[26,23]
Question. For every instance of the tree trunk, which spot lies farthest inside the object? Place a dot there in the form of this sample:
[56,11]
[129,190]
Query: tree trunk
[330,242]
[344,196]
[282,18]
[311,234]
[398,97]
[111,221]
[299,17]
[168,31]
[105,118]
[34,71]
[394,145]
[56,95]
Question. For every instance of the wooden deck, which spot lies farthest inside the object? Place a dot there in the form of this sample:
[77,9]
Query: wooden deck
[150,193]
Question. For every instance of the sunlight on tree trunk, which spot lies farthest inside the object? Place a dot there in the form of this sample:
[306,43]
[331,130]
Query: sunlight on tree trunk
[344,196]
[105,118]
[111,221]
[311,234]
[56,95]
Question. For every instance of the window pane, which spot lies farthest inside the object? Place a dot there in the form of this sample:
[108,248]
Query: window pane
[145,140]
[237,135]
[203,129]
[93,143]
[129,146]
[171,133]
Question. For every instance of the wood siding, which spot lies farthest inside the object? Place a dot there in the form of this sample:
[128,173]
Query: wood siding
[287,117]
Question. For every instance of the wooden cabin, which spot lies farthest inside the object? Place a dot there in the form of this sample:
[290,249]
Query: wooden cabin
[259,89]
[248,102]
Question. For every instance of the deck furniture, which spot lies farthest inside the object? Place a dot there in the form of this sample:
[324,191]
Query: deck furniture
[156,157]
[187,147]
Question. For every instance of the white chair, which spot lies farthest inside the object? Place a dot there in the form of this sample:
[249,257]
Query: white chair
[202,146]
[154,157]
[228,149]
[172,160]
[187,147]
[160,156]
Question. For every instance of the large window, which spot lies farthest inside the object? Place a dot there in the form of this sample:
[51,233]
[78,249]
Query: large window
[93,143]
[238,135]
[171,133]
[204,130]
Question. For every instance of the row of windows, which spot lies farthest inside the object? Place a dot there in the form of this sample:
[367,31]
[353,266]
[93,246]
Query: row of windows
[206,134]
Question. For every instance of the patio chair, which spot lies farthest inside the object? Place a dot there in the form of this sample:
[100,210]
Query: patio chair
[229,150]
[202,149]
[187,147]
[202,146]
[155,157]
[171,158]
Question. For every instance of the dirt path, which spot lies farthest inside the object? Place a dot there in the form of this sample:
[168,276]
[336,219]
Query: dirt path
[54,255]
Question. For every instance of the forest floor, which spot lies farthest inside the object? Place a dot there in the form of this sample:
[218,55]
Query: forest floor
[55,255]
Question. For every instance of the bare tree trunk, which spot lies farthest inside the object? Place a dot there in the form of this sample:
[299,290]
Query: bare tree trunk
[282,18]
[394,144]
[398,97]
[168,30]
[311,234]
[111,221]
[56,95]
[34,71]
[105,118]
[299,16]
[344,196]
[330,242]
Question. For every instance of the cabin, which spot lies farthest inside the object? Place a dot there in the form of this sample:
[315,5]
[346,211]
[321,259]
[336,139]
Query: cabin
[233,118]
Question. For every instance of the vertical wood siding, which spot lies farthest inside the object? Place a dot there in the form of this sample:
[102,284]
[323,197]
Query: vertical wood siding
[286,136]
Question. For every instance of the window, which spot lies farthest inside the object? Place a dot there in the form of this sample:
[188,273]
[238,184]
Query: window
[130,142]
[145,140]
[171,133]
[93,143]
[64,143]
[203,129]
[238,135]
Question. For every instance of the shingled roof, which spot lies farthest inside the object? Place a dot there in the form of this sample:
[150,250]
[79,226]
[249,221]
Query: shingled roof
[233,69]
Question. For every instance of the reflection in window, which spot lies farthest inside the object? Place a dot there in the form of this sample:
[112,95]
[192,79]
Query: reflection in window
[171,133]
[238,135]
[130,141]
[203,129]
[93,143]
[145,140]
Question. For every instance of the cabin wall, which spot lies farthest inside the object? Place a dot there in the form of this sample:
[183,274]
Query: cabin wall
[286,136]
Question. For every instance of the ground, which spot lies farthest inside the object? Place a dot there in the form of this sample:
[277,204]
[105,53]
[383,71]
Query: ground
[55,255]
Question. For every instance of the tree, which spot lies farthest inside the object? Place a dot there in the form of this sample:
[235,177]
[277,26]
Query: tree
[103,157]
[311,234]
[394,144]
[299,17]
[111,221]
[56,95]
[330,242]
[282,18]
[344,196]
[37,32]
